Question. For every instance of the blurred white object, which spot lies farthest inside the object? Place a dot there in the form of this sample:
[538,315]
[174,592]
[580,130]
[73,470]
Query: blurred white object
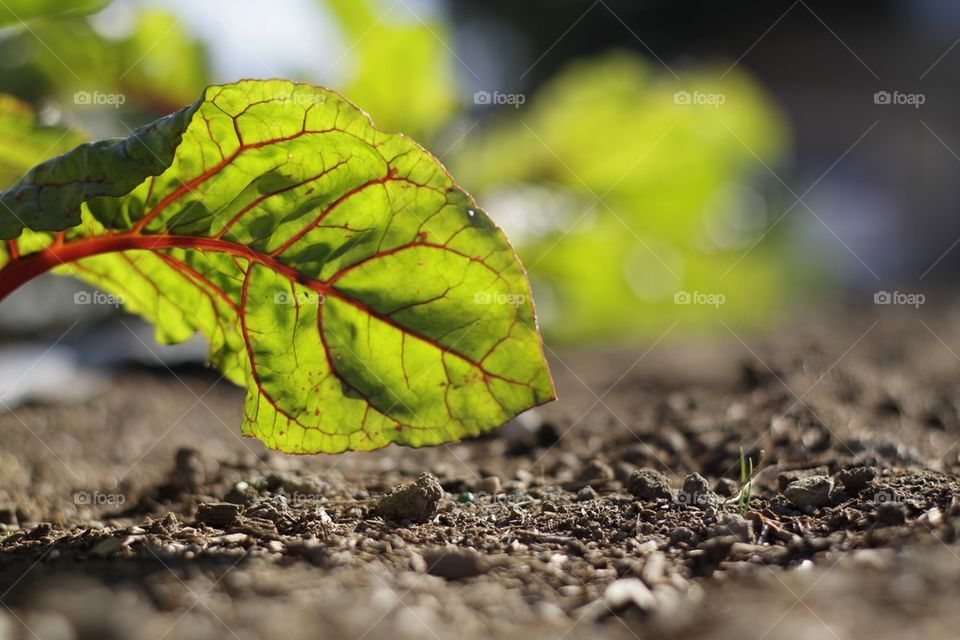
[39,372]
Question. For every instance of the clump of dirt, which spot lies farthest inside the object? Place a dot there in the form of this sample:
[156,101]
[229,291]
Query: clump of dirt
[615,512]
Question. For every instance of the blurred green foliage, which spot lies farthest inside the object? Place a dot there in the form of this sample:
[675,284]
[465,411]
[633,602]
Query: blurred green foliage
[20,12]
[653,195]
[157,67]
[617,194]
[400,69]
[23,143]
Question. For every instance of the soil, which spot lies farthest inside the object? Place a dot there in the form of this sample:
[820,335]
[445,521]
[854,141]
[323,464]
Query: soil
[143,514]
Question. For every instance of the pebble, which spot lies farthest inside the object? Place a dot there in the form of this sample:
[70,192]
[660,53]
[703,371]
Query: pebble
[627,592]
[811,492]
[466,498]
[586,494]
[726,487]
[696,492]
[548,611]
[490,484]
[108,546]
[218,514]
[649,484]
[188,470]
[234,538]
[932,518]
[654,569]
[856,478]
[454,563]
[735,525]
[416,502]
[787,478]
[891,514]
[8,515]
[595,473]
[681,535]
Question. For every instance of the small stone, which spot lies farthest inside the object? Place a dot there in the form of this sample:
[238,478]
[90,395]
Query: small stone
[547,434]
[696,492]
[8,516]
[681,535]
[466,497]
[649,484]
[595,473]
[932,518]
[715,550]
[785,478]
[856,478]
[891,514]
[454,563]
[167,525]
[549,612]
[654,569]
[696,483]
[235,538]
[108,546]
[416,502]
[490,484]
[629,592]
[811,492]
[188,470]
[218,514]
[726,487]
[586,494]
[732,524]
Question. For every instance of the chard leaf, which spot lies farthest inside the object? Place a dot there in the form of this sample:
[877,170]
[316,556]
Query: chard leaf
[338,271]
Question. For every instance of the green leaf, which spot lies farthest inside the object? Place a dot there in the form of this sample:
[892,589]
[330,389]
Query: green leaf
[50,195]
[337,270]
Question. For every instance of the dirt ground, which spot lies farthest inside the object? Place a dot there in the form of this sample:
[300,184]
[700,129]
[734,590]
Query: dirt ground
[143,514]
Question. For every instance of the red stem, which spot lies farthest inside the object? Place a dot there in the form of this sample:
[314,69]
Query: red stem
[20,271]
